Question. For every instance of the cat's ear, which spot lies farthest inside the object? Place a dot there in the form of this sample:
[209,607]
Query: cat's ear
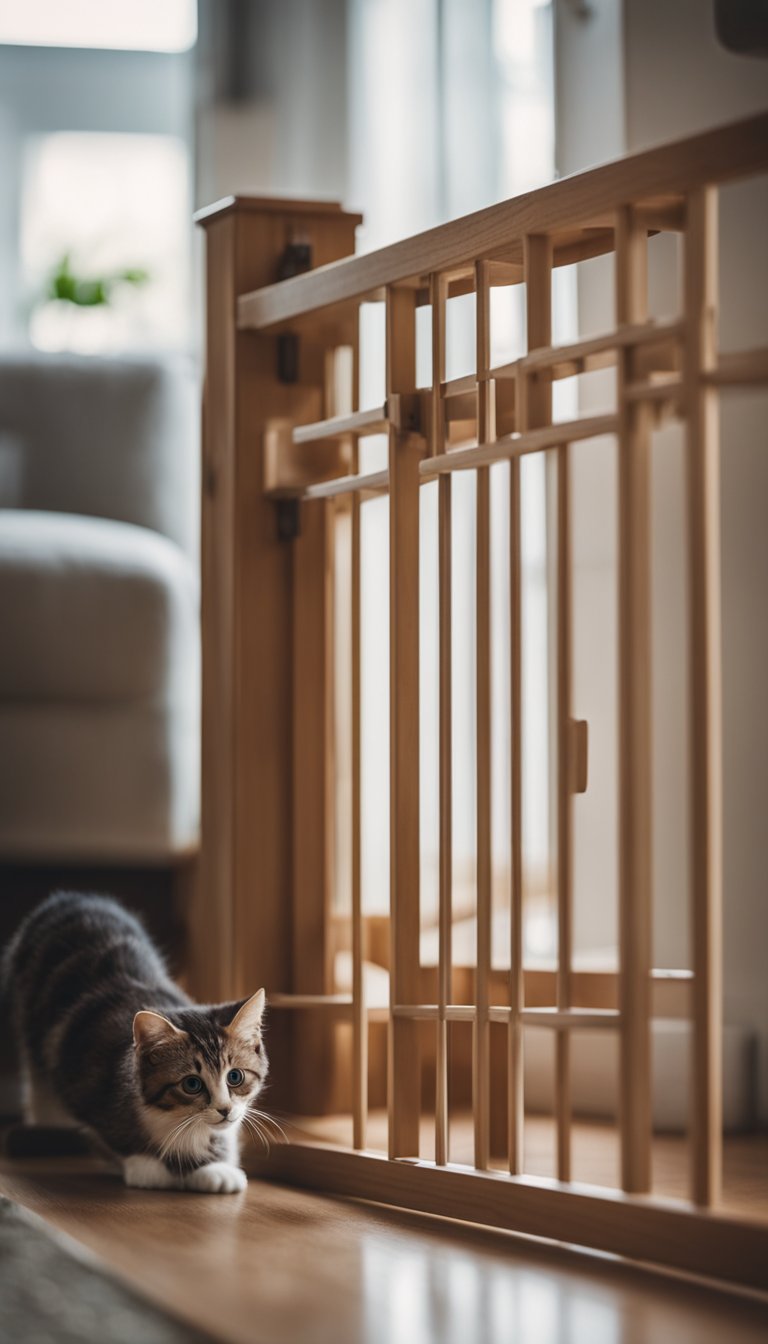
[247,1020]
[151,1029]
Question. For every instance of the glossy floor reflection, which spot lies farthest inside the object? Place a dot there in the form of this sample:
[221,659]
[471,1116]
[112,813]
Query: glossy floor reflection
[278,1266]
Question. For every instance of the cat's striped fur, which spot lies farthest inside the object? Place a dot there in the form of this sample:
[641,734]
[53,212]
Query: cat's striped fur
[107,1040]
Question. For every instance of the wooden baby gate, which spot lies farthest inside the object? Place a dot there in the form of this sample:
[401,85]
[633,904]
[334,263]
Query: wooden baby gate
[281,470]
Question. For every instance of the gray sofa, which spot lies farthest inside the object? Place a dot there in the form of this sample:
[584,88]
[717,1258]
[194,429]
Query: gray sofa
[99,623]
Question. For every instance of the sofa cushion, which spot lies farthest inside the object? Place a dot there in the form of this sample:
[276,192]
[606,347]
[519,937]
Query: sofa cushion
[94,610]
[98,783]
[103,436]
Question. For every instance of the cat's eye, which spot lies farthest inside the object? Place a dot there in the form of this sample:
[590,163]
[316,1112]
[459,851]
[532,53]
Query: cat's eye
[192,1085]
[235,1077]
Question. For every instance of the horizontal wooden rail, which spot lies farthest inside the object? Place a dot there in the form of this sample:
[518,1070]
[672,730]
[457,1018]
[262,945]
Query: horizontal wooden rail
[539,983]
[739,369]
[329,1001]
[459,387]
[466,459]
[497,232]
[517,445]
[561,1019]
[567,1019]
[339,1007]
[594,352]
[374,482]
[360,423]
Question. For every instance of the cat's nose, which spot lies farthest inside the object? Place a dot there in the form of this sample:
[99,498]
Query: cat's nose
[224,1112]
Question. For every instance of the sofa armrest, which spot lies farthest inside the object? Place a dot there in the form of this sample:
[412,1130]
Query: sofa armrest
[107,437]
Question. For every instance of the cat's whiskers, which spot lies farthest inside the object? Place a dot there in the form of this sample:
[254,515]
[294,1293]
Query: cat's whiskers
[268,1120]
[170,1141]
[171,1144]
[256,1130]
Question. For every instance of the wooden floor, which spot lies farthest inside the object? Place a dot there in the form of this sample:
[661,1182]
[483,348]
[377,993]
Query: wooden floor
[278,1266]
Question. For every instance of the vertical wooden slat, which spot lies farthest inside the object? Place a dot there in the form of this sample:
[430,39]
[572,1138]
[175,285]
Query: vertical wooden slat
[437,288]
[564,811]
[537,254]
[437,298]
[516,988]
[445,730]
[485,430]
[360,1012]
[313,791]
[404,453]
[515,1066]
[705,671]
[359,1016]
[635,762]
[481,1044]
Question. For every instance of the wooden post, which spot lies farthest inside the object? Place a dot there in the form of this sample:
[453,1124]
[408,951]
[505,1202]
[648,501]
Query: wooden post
[635,767]
[240,915]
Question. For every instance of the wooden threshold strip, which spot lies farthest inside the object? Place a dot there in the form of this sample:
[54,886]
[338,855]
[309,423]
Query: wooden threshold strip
[663,1233]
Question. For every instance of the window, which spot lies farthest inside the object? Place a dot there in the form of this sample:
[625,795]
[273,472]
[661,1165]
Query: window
[142,25]
[110,211]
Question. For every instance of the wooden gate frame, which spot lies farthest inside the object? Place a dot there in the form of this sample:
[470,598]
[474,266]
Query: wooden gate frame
[281,427]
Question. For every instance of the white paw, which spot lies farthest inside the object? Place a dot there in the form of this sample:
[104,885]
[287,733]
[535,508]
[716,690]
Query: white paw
[218,1178]
[148,1173]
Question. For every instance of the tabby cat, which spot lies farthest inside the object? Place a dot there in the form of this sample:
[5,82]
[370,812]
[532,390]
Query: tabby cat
[108,1041]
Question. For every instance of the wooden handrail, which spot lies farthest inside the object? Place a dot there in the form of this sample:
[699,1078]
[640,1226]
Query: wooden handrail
[733,151]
